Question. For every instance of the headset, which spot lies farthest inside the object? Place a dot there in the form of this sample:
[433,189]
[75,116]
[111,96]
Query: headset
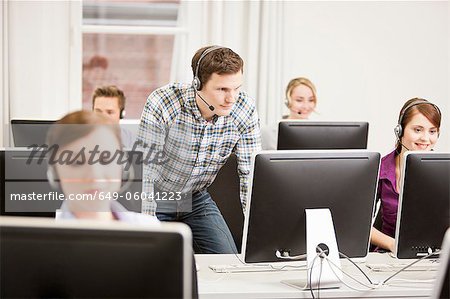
[287,100]
[122,113]
[398,130]
[196,83]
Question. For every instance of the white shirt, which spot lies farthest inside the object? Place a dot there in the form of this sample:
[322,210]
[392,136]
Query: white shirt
[119,212]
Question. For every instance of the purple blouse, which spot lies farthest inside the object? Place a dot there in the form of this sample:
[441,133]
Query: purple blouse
[388,194]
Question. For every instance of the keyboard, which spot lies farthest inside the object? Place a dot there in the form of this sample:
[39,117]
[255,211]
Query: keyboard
[236,268]
[420,266]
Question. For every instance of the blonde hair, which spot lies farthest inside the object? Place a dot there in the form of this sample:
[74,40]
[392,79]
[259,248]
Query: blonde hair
[296,82]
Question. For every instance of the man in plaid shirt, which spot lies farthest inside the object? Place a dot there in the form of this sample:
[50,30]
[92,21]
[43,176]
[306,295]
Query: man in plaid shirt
[192,129]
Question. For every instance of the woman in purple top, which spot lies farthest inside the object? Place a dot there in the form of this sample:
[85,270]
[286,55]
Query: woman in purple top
[417,130]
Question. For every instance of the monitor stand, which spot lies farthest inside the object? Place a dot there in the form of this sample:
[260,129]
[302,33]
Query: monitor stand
[324,266]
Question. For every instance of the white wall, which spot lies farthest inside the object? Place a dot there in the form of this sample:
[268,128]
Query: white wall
[44,58]
[4,104]
[367,58]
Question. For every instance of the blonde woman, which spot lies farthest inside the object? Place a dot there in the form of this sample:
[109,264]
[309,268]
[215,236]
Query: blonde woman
[301,100]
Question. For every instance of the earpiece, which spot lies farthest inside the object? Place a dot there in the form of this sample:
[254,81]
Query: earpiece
[196,83]
[286,102]
[398,129]
[122,113]
[52,178]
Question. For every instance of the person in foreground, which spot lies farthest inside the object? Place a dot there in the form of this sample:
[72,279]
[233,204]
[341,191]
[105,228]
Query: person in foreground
[86,181]
[417,130]
[90,186]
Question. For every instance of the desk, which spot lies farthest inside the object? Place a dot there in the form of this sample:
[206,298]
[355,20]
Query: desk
[268,284]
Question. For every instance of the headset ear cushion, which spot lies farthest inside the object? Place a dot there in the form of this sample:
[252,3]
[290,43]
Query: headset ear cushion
[122,114]
[286,102]
[196,83]
[398,131]
[52,178]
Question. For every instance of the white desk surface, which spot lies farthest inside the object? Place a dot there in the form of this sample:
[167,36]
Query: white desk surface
[416,284]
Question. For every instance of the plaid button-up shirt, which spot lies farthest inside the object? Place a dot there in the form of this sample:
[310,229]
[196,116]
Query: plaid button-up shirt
[195,149]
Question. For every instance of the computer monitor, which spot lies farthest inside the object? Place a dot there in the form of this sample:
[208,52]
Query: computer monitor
[442,285]
[313,135]
[41,258]
[22,183]
[423,209]
[285,183]
[27,132]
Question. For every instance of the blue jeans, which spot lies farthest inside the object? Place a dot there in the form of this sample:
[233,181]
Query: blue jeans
[210,231]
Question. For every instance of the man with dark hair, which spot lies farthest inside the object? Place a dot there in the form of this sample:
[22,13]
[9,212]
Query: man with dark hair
[110,101]
[196,127]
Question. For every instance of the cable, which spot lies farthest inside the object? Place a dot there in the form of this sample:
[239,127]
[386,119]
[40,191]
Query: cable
[437,252]
[287,266]
[310,276]
[320,275]
[373,286]
[292,258]
[345,256]
[319,254]
[347,285]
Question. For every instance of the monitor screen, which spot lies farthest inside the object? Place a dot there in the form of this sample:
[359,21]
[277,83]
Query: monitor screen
[423,210]
[285,183]
[312,135]
[67,259]
[24,181]
[27,132]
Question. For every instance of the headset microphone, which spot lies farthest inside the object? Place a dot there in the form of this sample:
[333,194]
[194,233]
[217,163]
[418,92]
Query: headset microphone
[403,145]
[397,134]
[196,83]
[299,112]
[211,107]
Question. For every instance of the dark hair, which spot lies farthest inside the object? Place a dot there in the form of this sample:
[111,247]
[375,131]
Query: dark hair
[220,61]
[424,107]
[62,135]
[110,91]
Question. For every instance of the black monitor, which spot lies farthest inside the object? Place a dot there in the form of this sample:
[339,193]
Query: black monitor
[20,180]
[313,135]
[41,258]
[424,203]
[27,132]
[285,183]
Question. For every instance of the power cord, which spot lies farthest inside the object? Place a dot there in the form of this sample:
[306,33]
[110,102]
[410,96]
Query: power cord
[436,252]
[372,286]
[350,260]
[310,276]
[346,284]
